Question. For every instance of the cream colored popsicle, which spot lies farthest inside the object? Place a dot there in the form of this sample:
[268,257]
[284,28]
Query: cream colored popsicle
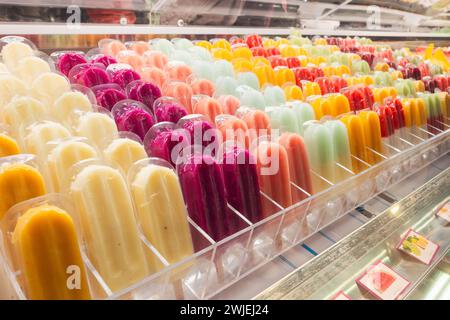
[64,156]
[99,128]
[10,87]
[40,134]
[108,224]
[22,111]
[29,68]
[48,87]
[124,152]
[14,51]
[68,102]
[161,210]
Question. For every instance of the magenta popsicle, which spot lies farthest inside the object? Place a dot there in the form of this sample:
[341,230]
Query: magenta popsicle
[133,116]
[200,131]
[68,60]
[103,59]
[88,75]
[241,182]
[204,193]
[145,92]
[161,140]
[108,95]
[168,109]
[123,77]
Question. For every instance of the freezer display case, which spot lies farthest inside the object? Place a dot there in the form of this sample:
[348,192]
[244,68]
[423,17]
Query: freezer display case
[224,149]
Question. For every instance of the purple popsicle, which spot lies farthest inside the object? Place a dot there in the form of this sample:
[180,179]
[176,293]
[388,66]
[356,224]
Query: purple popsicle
[133,116]
[204,193]
[68,60]
[162,139]
[103,59]
[241,182]
[200,131]
[168,109]
[88,75]
[108,95]
[145,92]
[123,77]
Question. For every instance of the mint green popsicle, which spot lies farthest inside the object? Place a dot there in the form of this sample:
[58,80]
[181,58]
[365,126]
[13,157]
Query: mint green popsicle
[341,144]
[319,143]
[303,111]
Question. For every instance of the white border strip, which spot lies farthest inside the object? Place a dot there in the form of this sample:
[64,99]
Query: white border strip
[54,28]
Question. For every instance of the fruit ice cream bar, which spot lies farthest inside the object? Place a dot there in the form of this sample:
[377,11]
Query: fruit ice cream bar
[233,129]
[207,106]
[180,91]
[63,156]
[303,111]
[341,145]
[22,111]
[229,104]
[200,131]
[274,175]
[415,113]
[108,95]
[68,103]
[258,122]
[274,96]
[241,182]
[433,112]
[19,182]
[204,192]
[89,75]
[48,87]
[382,93]
[123,152]
[65,61]
[251,98]
[162,139]
[122,74]
[133,116]
[372,135]
[39,134]
[359,97]
[284,119]
[160,209]
[358,145]
[203,86]
[109,228]
[29,68]
[299,168]
[16,48]
[10,87]
[98,128]
[45,243]
[144,92]
[319,143]
[8,146]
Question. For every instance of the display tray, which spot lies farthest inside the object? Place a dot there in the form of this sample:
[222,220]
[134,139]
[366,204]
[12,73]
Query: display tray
[341,268]
[224,263]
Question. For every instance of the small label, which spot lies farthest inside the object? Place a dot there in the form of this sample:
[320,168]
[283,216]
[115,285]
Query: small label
[382,282]
[444,212]
[418,246]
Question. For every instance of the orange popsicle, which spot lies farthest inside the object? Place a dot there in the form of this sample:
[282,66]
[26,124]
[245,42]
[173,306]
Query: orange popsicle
[274,176]
[358,145]
[207,106]
[19,182]
[8,146]
[298,164]
[48,255]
